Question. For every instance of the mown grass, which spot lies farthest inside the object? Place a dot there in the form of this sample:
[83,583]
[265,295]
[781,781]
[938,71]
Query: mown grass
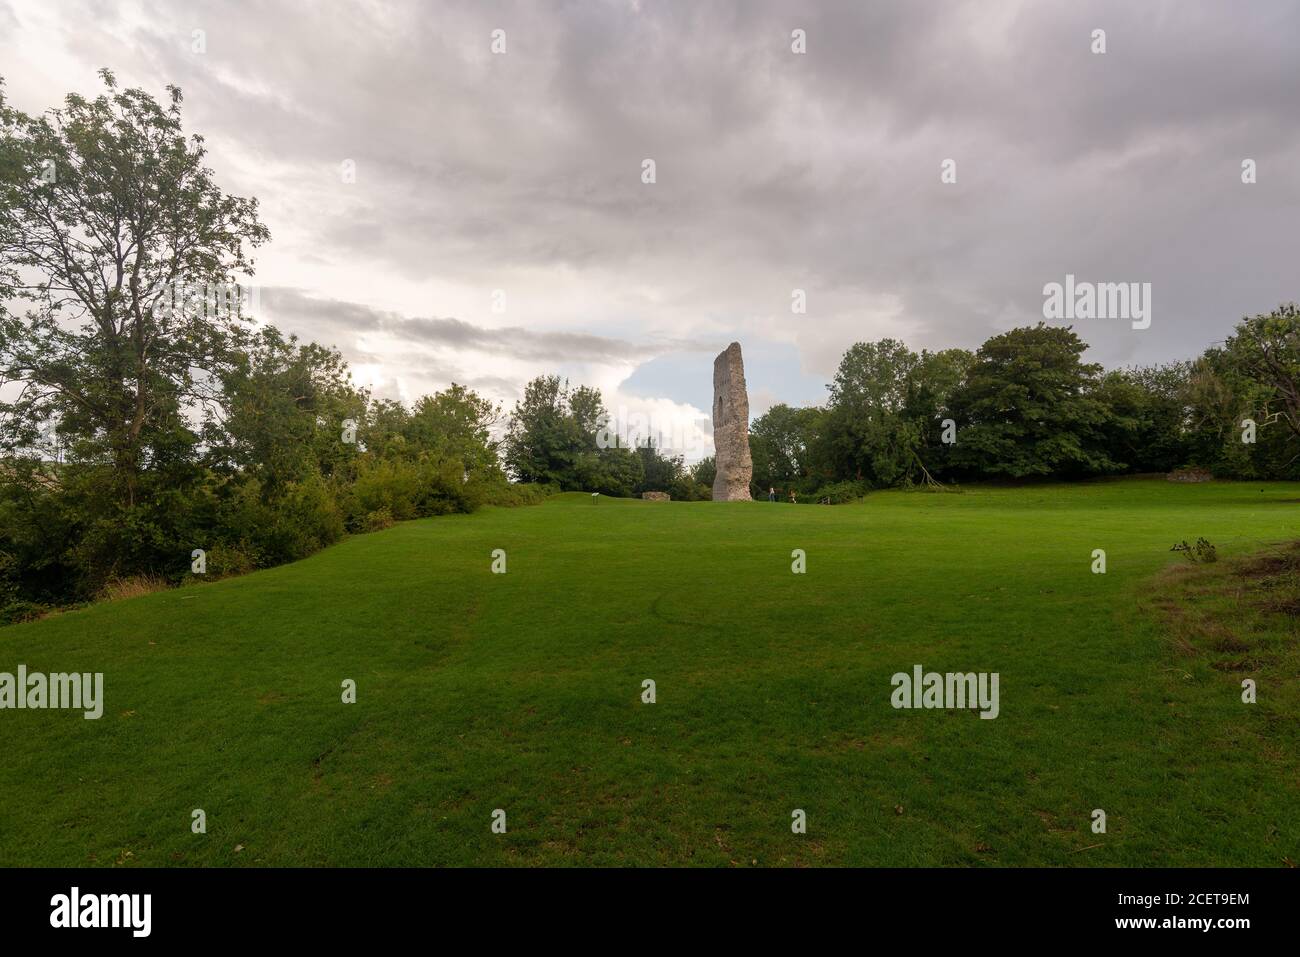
[523,692]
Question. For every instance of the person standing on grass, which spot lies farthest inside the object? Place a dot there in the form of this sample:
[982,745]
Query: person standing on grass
[771,494]
[792,500]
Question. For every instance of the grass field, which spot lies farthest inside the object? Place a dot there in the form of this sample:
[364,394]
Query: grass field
[522,691]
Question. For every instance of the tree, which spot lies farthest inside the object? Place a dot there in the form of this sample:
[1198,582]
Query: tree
[106,211]
[659,472]
[541,443]
[586,410]
[1146,428]
[934,381]
[1266,349]
[1029,407]
[457,423]
[782,442]
[870,434]
[705,471]
[552,439]
[282,411]
[1249,378]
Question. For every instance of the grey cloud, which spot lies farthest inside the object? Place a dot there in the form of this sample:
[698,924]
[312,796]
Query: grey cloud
[298,310]
[774,170]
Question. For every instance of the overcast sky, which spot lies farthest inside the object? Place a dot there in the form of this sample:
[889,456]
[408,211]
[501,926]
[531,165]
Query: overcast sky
[775,171]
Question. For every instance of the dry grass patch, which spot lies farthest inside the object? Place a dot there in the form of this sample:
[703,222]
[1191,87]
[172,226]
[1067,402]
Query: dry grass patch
[133,587]
[1240,614]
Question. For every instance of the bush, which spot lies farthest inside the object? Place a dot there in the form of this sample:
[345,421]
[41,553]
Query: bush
[392,487]
[37,530]
[512,494]
[686,489]
[125,543]
[403,490]
[1200,553]
[841,493]
[13,612]
[225,559]
[65,538]
[305,519]
[446,488]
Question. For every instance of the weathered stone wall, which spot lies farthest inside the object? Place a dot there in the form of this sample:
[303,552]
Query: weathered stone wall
[656,496]
[1190,475]
[731,427]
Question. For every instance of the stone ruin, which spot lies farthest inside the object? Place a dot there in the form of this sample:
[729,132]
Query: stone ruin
[656,496]
[731,427]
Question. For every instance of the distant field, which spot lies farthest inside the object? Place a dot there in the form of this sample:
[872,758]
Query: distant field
[522,691]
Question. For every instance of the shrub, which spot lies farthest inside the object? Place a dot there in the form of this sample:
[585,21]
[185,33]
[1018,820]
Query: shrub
[305,519]
[841,493]
[390,486]
[123,544]
[231,558]
[513,494]
[1200,553]
[11,613]
[403,490]
[37,530]
[686,489]
[446,488]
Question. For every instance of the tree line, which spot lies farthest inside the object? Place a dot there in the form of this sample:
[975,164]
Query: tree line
[1026,405]
[146,419]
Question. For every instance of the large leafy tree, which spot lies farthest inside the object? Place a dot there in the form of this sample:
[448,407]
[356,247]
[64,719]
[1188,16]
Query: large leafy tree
[542,441]
[783,443]
[282,412]
[885,406]
[106,211]
[1254,375]
[1029,406]
[934,381]
[1146,429]
[457,423]
[659,472]
[869,435]
[552,439]
[1266,349]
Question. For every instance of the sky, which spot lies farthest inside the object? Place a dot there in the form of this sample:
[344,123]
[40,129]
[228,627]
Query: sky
[442,211]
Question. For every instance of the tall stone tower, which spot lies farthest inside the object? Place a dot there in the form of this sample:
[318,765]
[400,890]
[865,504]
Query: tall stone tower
[731,427]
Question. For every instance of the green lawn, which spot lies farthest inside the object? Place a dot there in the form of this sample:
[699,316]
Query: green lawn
[522,691]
